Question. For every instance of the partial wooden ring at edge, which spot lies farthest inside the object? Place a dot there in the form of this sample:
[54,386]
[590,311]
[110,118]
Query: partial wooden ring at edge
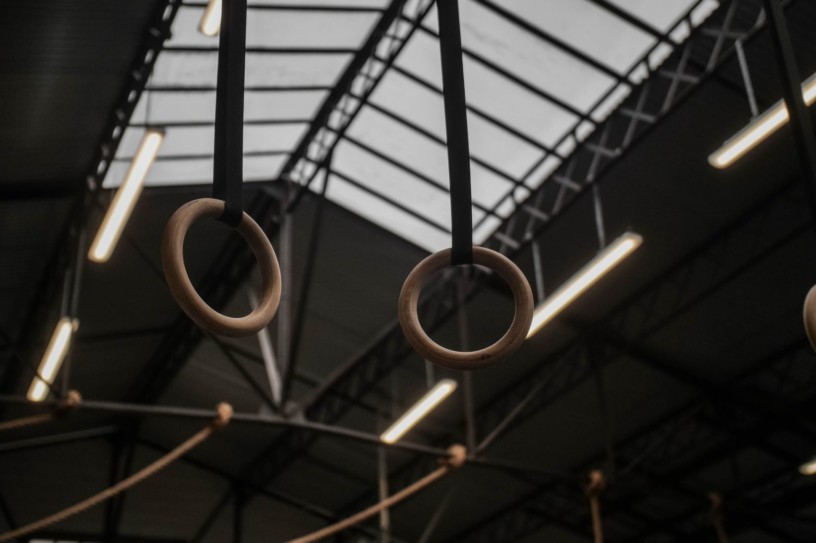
[185,294]
[504,347]
[809,315]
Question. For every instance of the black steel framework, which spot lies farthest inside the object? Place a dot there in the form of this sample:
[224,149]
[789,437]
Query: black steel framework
[724,417]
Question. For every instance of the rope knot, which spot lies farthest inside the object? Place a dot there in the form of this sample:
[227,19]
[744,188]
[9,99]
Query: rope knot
[596,485]
[71,401]
[457,455]
[223,415]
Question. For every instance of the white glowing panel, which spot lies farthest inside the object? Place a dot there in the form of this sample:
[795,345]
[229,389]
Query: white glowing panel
[299,55]
[528,95]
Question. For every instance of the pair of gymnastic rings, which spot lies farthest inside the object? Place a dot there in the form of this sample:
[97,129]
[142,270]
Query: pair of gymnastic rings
[226,206]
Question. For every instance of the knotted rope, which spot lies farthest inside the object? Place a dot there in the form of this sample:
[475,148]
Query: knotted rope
[716,516]
[596,485]
[224,414]
[456,459]
[71,401]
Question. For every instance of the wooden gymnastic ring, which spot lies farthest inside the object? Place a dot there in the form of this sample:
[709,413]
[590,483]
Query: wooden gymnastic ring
[809,315]
[185,294]
[504,347]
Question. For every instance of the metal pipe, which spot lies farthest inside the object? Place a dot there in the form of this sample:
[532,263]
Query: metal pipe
[746,78]
[247,418]
[800,119]
[57,439]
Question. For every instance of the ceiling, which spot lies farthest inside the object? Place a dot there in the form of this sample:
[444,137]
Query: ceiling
[683,371]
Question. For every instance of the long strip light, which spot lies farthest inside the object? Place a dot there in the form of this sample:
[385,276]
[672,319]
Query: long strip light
[585,278]
[432,398]
[126,196]
[52,359]
[759,129]
[210,24]
[808,468]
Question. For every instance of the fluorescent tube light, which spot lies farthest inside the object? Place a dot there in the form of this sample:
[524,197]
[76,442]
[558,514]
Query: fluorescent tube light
[126,196]
[52,359]
[759,129]
[434,397]
[585,278]
[808,468]
[210,24]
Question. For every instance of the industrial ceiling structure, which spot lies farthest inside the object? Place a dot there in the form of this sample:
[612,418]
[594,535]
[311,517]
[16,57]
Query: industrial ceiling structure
[683,372]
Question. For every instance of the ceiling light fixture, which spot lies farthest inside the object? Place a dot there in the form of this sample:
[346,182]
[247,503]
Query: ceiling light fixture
[126,196]
[434,397]
[808,468]
[585,278]
[210,24]
[52,359]
[759,129]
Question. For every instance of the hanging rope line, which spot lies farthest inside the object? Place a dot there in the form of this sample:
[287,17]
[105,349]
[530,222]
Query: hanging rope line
[597,483]
[226,204]
[71,401]
[453,87]
[455,460]
[462,250]
[716,517]
[224,413]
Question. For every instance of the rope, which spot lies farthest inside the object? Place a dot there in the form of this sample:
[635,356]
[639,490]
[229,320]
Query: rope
[453,85]
[222,419]
[593,490]
[458,455]
[716,516]
[62,408]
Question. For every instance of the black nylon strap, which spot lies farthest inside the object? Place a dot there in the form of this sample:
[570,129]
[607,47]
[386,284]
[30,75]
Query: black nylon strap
[453,83]
[228,165]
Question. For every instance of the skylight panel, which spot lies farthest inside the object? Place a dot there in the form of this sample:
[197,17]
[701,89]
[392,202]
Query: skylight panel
[282,28]
[661,14]
[533,116]
[172,107]
[174,68]
[389,217]
[528,58]
[586,27]
[199,171]
[198,140]
[425,107]
[379,4]
[526,92]
[427,156]
[379,175]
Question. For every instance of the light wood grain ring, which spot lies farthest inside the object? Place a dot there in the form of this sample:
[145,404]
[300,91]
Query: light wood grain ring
[504,347]
[185,294]
[809,314]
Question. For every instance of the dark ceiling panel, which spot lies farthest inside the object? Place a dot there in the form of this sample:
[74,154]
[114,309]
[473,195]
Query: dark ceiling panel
[62,66]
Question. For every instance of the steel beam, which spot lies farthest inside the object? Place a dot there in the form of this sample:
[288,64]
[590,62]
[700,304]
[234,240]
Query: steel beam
[49,286]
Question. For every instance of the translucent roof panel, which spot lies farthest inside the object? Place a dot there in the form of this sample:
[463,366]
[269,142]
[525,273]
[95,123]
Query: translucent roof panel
[296,53]
[539,75]
[280,28]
